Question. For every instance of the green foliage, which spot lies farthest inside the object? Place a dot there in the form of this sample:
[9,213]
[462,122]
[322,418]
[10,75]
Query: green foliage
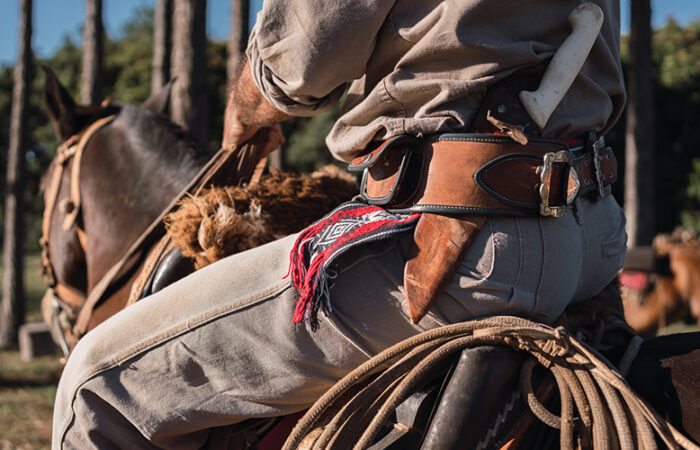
[677,73]
[306,148]
[127,62]
[66,64]
[676,56]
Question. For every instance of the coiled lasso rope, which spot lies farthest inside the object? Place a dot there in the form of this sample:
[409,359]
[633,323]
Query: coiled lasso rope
[355,409]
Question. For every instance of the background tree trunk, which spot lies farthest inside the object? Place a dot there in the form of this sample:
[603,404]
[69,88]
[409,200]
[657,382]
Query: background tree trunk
[162,40]
[639,167]
[237,43]
[93,45]
[189,97]
[12,311]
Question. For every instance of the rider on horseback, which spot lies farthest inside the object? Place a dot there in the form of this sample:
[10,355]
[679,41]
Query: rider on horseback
[220,346]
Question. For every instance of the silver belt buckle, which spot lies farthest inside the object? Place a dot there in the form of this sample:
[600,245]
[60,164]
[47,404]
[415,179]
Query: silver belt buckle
[545,172]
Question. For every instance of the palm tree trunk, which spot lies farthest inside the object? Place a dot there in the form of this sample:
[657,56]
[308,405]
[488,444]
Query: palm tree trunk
[189,97]
[93,43]
[639,167]
[12,311]
[162,40]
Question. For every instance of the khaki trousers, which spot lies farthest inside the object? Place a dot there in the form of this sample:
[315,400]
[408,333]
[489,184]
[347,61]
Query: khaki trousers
[219,346]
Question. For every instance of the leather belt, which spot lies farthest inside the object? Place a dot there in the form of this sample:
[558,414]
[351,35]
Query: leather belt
[484,174]
[457,180]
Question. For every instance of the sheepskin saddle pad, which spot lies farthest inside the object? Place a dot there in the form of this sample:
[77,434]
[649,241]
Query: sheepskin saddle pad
[227,220]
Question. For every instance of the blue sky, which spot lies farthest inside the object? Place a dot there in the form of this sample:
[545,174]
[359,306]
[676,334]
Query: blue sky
[53,19]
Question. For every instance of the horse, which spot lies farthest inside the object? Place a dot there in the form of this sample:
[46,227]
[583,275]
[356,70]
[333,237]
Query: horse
[119,170]
[661,283]
[98,205]
[133,164]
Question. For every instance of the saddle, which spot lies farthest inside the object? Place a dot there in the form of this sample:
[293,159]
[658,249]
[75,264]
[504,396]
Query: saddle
[224,220]
[645,270]
[171,268]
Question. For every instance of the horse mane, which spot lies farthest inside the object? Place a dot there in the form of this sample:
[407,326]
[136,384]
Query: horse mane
[160,138]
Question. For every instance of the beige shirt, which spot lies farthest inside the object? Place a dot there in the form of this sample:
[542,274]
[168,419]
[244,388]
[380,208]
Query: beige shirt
[422,66]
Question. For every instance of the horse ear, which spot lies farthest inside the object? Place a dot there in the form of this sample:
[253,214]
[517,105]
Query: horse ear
[159,102]
[59,104]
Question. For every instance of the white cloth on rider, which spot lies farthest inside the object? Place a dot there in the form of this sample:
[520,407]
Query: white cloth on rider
[219,345]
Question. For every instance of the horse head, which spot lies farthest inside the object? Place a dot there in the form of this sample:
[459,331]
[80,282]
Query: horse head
[117,168]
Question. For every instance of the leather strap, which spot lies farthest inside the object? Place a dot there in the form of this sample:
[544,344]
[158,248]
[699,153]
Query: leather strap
[457,180]
[438,246]
[71,150]
[155,255]
[65,299]
[75,200]
[479,174]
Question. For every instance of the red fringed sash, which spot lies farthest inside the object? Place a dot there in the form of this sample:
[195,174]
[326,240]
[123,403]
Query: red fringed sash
[350,224]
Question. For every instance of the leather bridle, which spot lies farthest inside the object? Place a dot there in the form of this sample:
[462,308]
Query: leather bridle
[70,323]
[65,299]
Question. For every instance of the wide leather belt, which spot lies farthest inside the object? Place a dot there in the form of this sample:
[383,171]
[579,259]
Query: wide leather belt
[457,180]
[484,174]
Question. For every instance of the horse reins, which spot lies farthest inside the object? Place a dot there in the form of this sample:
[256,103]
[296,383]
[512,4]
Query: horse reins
[65,319]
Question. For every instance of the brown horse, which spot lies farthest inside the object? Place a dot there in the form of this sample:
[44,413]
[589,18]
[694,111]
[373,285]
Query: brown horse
[100,202]
[663,285]
[134,164]
[118,171]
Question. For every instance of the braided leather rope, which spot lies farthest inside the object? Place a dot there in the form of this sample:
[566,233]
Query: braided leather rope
[592,391]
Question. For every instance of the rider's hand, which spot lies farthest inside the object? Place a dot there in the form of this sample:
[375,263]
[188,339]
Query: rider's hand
[249,114]
[268,139]
[237,133]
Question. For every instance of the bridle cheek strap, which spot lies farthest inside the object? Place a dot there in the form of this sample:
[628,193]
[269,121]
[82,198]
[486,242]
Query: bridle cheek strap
[72,215]
[71,149]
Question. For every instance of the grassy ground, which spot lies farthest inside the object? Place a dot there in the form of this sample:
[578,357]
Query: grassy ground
[27,390]
[34,287]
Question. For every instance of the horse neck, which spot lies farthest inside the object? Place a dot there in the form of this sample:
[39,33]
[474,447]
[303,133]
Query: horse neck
[125,186]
